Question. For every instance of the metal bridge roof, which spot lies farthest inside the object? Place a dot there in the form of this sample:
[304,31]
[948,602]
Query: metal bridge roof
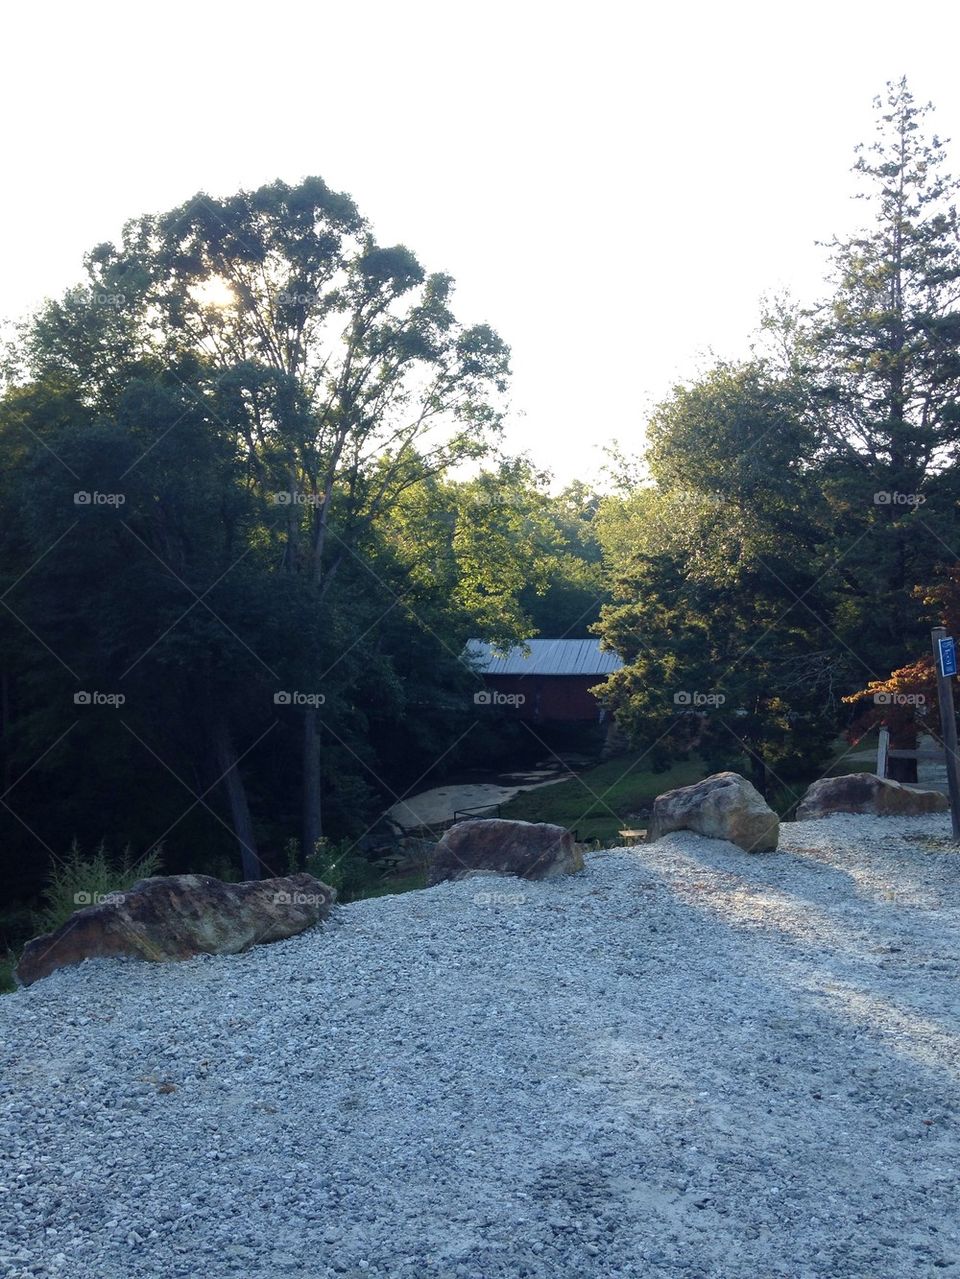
[545,657]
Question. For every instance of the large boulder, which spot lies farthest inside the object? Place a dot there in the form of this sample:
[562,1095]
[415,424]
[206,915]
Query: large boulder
[178,916]
[867,793]
[532,850]
[723,806]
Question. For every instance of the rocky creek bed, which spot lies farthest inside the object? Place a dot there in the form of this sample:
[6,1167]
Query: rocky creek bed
[685,1061]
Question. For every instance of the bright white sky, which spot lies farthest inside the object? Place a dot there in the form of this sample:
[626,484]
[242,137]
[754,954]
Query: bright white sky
[613,186]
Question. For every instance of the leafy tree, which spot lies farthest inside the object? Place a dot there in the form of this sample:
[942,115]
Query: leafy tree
[906,701]
[877,367]
[718,613]
[126,595]
[567,601]
[336,365]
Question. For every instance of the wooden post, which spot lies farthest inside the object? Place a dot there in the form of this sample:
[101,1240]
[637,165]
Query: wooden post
[883,745]
[948,723]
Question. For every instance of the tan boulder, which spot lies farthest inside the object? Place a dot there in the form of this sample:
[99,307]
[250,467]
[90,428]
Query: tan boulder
[722,806]
[177,916]
[532,850]
[867,793]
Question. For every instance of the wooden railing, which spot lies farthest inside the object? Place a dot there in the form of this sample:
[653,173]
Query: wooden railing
[929,754]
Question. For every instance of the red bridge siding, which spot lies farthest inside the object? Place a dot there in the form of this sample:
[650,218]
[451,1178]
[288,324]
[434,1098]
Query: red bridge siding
[565,698]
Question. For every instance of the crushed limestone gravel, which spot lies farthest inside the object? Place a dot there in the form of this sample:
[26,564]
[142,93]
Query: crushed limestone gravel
[685,1062]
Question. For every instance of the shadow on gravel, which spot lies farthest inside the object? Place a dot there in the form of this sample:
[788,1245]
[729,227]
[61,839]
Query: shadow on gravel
[873,959]
[799,1105]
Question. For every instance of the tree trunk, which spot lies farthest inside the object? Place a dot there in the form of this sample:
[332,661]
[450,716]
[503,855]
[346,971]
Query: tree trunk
[312,817]
[226,757]
[5,775]
[758,775]
[311,829]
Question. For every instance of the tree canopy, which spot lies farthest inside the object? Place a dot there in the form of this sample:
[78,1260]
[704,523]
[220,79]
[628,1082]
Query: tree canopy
[800,515]
[254,504]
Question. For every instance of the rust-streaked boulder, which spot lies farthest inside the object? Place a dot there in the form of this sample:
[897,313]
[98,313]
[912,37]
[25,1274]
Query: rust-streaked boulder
[722,806]
[532,850]
[868,793]
[177,916]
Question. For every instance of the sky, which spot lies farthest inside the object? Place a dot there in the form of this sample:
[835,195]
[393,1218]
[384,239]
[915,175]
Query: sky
[613,186]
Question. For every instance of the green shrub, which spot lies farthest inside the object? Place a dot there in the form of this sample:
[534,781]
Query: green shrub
[79,881]
[339,864]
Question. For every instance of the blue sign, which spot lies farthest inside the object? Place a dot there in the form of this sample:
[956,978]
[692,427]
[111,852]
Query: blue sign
[948,656]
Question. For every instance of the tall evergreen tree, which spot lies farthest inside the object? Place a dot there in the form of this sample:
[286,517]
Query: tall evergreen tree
[881,364]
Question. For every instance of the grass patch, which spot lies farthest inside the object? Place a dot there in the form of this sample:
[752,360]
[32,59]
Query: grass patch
[842,755]
[7,982]
[597,803]
[408,882]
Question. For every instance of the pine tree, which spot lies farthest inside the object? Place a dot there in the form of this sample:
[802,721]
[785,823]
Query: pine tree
[889,340]
[883,372]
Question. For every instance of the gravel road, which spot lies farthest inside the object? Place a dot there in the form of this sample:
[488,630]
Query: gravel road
[684,1062]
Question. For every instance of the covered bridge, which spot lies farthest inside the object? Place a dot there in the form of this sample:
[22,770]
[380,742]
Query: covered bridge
[545,680]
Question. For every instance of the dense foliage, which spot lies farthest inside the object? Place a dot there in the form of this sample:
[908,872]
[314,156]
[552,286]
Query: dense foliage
[800,514]
[254,500]
[252,504]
